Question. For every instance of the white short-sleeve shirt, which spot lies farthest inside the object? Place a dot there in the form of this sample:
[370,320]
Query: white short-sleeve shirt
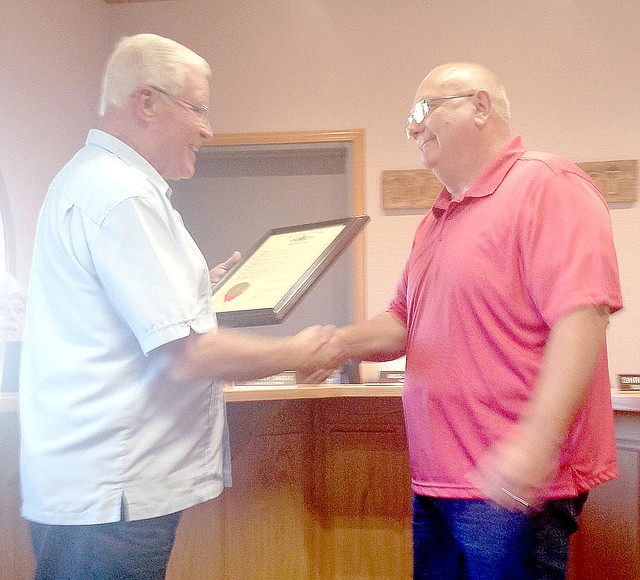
[115,275]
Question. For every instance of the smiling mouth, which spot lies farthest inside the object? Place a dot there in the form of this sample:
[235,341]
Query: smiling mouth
[424,143]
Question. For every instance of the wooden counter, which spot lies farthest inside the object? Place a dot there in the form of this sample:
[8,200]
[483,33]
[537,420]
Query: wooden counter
[322,490]
[622,401]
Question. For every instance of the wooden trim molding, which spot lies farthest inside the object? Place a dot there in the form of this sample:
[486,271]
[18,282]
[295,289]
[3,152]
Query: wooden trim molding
[622,403]
[353,136]
[129,1]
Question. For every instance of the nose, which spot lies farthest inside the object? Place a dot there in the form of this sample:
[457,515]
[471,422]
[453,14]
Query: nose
[206,130]
[414,129]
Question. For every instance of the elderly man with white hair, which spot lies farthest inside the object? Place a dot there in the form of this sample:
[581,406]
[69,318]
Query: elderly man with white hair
[122,407]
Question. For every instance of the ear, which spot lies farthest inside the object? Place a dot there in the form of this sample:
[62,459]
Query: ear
[145,103]
[483,104]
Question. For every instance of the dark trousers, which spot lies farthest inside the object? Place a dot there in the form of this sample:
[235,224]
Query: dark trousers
[136,550]
[477,540]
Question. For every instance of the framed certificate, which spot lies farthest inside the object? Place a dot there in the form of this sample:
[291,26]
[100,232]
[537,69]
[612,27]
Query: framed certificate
[275,274]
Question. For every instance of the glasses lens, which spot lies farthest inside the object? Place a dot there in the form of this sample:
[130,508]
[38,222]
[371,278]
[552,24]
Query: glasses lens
[418,113]
[203,114]
[420,110]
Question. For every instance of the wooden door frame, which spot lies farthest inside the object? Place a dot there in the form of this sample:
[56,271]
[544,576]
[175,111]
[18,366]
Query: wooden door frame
[353,136]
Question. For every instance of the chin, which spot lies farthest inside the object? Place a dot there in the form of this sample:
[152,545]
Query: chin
[428,163]
[184,174]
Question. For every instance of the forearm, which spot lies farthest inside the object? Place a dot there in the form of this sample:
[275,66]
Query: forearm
[523,463]
[571,356]
[234,356]
[379,339]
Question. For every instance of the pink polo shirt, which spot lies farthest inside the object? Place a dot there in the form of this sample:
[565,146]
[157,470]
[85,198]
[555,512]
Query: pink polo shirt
[487,277]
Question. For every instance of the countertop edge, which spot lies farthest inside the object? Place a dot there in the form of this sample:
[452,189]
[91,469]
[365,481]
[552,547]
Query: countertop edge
[622,401]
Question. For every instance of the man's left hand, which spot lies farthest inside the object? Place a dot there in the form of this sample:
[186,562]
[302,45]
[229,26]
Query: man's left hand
[515,473]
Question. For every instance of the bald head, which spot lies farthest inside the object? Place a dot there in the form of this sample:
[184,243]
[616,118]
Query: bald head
[459,122]
[464,77]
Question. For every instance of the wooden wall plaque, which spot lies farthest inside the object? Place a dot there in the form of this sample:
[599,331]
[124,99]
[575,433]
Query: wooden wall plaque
[418,188]
[409,189]
[617,180]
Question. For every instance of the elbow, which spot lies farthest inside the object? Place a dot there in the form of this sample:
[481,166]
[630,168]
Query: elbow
[182,359]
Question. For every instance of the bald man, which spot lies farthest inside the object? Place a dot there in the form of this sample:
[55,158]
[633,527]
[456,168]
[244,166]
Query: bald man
[501,312]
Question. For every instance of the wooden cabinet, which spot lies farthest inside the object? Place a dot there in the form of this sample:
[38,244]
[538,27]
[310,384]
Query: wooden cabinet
[321,490]
[607,545]
[363,490]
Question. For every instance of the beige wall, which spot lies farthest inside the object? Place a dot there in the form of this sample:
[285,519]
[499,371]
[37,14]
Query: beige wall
[570,66]
[51,54]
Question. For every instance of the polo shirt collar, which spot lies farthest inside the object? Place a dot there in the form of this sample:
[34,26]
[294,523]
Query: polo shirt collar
[489,179]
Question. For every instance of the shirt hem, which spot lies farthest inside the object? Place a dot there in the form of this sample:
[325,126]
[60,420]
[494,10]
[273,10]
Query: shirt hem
[139,513]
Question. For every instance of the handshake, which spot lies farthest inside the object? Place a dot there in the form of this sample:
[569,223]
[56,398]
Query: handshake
[319,351]
[314,353]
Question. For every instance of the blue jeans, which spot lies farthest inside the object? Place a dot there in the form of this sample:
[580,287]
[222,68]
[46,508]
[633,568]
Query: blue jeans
[477,540]
[136,550]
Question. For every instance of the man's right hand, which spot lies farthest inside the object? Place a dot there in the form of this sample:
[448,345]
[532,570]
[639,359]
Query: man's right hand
[322,351]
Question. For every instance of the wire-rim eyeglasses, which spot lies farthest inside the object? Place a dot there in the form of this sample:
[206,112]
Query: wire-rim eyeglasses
[422,107]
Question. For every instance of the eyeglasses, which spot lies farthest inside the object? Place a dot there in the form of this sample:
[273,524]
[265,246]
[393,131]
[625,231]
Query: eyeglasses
[201,110]
[421,110]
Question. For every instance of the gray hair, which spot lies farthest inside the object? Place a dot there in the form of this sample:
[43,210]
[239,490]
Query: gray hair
[500,99]
[146,59]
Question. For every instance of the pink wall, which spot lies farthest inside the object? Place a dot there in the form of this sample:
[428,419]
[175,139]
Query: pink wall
[570,67]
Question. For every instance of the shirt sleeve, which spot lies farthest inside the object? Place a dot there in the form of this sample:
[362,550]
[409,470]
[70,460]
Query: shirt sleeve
[153,273]
[569,259]
[398,304]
